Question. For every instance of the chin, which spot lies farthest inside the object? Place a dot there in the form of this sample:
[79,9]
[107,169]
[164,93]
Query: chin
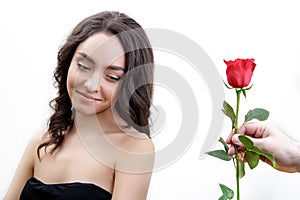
[90,111]
[86,112]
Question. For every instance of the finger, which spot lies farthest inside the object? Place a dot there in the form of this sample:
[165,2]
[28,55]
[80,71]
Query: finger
[258,142]
[231,150]
[235,140]
[253,129]
[228,140]
[264,159]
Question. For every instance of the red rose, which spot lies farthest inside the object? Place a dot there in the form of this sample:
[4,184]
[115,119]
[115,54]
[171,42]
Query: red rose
[239,72]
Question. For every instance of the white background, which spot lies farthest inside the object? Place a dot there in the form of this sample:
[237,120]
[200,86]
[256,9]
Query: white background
[31,33]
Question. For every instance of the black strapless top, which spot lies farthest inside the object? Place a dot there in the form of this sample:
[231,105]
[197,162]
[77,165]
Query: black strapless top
[37,190]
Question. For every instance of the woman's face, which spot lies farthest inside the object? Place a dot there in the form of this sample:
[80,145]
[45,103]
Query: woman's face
[94,73]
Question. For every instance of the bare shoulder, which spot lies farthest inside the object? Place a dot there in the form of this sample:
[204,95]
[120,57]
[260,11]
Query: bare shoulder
[38,138]
[25,169]
[133,167]
[30,152]
[134,152]
[137,142]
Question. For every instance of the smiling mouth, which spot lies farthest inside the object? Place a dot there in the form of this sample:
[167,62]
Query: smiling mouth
[88,97]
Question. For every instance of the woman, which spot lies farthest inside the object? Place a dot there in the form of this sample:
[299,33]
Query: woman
[104,78]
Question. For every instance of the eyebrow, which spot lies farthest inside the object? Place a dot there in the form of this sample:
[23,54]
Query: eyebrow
[88,58]
[116,68]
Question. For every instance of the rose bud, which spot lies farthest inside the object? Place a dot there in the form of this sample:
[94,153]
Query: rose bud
[239,72]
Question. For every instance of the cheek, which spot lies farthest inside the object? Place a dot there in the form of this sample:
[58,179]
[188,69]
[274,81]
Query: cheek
[111,92]
[115,93]
[72,80]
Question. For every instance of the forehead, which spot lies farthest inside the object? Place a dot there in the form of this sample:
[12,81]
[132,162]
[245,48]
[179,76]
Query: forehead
[103,48]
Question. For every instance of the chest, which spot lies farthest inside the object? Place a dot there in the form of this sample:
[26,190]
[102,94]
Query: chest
[73,163]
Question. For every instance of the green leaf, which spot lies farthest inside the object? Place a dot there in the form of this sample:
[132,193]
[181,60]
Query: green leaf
[248,88]
[226,147]
[228,111]
[257,113]
[223,197]
[244,93]
[221,154]
[227,85]
[241,168]
[227,192]
[267,155]
[252,159]
[246,142]
[250,147]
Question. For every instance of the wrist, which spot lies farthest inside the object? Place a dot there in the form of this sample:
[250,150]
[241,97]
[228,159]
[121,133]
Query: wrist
[296,156]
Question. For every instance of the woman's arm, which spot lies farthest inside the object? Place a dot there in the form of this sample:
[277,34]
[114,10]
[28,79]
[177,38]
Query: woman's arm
[24,170]
[133,172]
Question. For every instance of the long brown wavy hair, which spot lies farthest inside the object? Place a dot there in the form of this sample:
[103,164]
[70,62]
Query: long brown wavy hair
[136,88]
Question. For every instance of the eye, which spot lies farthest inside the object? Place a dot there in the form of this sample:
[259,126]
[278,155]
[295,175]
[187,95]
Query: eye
[83,67]
[112,77]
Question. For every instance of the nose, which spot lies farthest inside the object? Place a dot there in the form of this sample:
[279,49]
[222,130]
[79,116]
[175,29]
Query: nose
[92,84]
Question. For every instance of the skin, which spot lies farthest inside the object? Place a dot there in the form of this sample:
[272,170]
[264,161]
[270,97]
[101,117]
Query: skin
[92,84]
[270,139]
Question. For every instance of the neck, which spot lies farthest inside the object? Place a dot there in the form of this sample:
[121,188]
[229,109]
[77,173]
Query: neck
[104,122]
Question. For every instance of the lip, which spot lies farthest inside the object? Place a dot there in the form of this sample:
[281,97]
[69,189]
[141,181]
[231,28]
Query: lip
[87,97]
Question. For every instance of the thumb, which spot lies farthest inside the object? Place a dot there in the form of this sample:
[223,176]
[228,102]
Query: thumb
[235,140]
[256,141]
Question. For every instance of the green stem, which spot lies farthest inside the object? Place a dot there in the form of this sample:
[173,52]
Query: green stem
[236,125]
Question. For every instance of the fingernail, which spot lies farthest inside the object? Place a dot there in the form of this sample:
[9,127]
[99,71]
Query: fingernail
[235,139]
